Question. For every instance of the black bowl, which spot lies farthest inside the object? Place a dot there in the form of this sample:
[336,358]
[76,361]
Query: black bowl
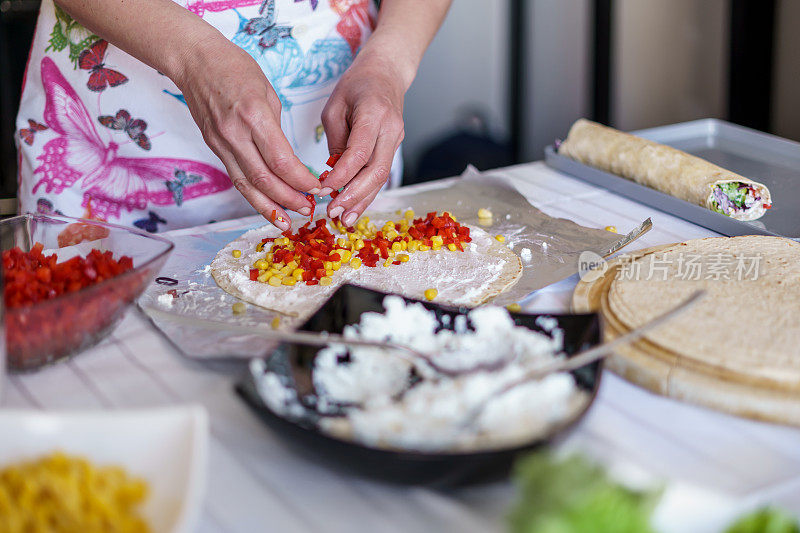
[409,467]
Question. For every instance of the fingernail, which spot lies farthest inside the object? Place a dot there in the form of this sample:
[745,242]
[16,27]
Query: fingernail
[305,211]
[336,211]
[315,191]
[349,218]
[282,223]
[325,191]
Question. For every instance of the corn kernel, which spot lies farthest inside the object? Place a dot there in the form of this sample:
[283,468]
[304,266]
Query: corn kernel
[436,246]
[293,265]
[288,280]
[269,257]
[329,272]
[430,294]
[366,220]
[612,229]
[388,262]
[352,236]
[355,263]
[403,258]
[397,247]
[514,308]
[424,247]
[298,274]
[437,239]
[452,247]
[274,270]
[259,247]
[264,277]
[346,255]
[413,246]
[287,270]
[261,264]
[275,280]
[398,212]
[336,265]
[409,214]
[238,308]
[500,238]
[327,265]
[484,213]
[276,322]
[325,280]
[236,253]
[340,242]
[359,244]
[391,253]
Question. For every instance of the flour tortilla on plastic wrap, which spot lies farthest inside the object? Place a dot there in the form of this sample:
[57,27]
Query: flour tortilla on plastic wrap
[749,327]
[655,165]
[466,278]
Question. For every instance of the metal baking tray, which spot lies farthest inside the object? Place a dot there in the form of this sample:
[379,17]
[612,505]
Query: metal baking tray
[765,158]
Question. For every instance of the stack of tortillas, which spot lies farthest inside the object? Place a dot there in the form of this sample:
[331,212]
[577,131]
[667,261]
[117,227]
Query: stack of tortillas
[737,350]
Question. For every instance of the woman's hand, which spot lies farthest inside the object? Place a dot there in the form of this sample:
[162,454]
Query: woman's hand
[363,120]
[239,115]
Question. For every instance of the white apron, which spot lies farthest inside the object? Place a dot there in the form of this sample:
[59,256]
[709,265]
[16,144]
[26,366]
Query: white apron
[102,135]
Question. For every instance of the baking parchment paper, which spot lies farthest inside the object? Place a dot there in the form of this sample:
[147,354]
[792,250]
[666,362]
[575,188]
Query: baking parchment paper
[548,247]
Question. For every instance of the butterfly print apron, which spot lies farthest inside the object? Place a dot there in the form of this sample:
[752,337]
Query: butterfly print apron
[102,135]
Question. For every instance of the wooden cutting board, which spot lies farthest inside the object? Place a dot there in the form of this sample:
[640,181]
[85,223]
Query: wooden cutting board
[670,374]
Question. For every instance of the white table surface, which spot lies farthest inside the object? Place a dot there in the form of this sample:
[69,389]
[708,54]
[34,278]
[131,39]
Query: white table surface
[258,483]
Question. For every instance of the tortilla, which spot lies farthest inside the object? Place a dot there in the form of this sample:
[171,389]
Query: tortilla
[485,269]
[664,168]
[749,321]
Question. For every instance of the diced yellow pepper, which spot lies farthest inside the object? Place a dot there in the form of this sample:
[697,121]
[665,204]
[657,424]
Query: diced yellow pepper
[430,294]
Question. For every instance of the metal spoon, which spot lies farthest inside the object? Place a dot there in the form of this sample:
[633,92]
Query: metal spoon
[586,356]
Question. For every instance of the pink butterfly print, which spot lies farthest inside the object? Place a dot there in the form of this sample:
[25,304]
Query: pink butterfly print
[133,127]
[199,7]
[110,182]
[27,134]
[92,59]
[357,20]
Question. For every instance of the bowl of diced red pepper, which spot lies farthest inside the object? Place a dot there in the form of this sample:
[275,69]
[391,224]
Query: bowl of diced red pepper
[67,282]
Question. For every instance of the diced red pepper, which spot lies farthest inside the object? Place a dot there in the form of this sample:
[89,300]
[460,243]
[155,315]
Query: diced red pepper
[333,159]
[253,274]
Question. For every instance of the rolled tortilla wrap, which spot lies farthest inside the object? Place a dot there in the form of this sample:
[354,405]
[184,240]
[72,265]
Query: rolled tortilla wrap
[666,169]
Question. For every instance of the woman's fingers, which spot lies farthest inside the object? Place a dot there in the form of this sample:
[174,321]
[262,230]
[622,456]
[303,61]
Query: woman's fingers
[260,202]
[350,203]
[279,157]
[360,147]
[251,163]
[337,130]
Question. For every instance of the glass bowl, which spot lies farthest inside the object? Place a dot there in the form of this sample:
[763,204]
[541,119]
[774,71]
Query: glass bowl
[51,330]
